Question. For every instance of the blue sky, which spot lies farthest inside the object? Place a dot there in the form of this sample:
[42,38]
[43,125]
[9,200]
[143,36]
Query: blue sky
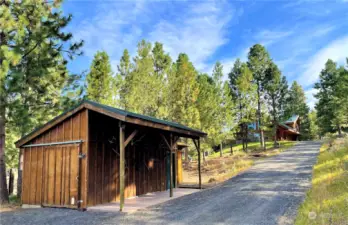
[300,35]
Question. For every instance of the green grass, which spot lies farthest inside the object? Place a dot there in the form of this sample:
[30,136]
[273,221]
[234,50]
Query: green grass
[14,199]
[327,201]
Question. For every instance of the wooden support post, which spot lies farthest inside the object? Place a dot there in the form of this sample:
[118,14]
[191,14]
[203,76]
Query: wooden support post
[176,167]
[171,166]
[122,158]
[199,165]
[198,147]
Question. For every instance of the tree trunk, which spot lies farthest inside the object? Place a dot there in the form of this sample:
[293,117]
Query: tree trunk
[220,149]
[186,155]
[203,152]
[3,185]
[243,137]
[246,137]
[10,182]
[339,130]
[19,177]
[231,149]
[275,122]
[262,139]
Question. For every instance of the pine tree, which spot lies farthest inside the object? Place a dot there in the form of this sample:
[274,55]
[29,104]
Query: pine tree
[184,91]
[33,57]
[243,93]
[124,69]
[332,100]
[208,108]
[162,63]
[274,96]
[247,100]
[258,62]
[142,84]
[284,95]
[297,106]
[99,79]
[313,127]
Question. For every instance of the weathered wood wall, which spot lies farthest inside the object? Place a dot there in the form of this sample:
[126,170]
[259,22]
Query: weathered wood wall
[144,166]
[50,172]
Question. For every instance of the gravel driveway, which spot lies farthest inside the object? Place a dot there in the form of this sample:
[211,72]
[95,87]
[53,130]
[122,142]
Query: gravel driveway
[268,193]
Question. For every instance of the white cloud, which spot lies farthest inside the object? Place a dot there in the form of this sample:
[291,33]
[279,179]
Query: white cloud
[114,27]
[268,37]
[198,29]
[311,100]
[228,63]
[336,50]
[198,32]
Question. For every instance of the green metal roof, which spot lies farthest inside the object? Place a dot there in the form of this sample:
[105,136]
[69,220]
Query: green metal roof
[143,117]
[292,119]
[120,112]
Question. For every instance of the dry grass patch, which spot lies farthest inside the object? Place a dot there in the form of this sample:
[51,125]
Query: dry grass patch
[327,201]
[217,169]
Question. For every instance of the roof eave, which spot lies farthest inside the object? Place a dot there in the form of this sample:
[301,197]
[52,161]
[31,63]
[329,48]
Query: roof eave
[126,118]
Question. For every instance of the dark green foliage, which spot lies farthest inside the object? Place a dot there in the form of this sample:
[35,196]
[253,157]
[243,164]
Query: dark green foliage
[258,63]
[296,105]
[34,51]
[99,79]
[332,105]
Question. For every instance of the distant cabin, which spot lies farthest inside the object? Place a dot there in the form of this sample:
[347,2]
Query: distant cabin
[286,130]
[289,129]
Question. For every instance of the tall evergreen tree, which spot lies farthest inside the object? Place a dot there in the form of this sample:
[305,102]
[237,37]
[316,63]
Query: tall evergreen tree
[124,69]
[258,62]
[99,79]
[162,62]
[208,107]
[274,96]
[297,106]
[33,57]
[224,105]
[184,91]
[332,100]
[243,92]
[247,100]
[284,95]
[142,83]
[313,126]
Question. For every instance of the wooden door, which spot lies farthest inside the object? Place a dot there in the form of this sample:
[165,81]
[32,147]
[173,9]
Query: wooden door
[61,176]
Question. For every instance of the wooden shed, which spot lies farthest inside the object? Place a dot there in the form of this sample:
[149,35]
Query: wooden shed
[95,154]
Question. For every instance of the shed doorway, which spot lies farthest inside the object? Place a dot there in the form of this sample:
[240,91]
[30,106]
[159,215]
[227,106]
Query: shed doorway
[53,175]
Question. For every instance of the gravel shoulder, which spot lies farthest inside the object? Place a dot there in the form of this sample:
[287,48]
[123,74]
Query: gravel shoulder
[268,193]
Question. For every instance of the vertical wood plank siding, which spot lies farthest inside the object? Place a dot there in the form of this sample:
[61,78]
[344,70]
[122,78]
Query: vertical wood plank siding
[144,161]
[50,172]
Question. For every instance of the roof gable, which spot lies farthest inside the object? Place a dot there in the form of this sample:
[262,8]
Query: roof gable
[292,119]
[116,113]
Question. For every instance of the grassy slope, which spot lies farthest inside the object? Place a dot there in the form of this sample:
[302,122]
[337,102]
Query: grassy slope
[327,201]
